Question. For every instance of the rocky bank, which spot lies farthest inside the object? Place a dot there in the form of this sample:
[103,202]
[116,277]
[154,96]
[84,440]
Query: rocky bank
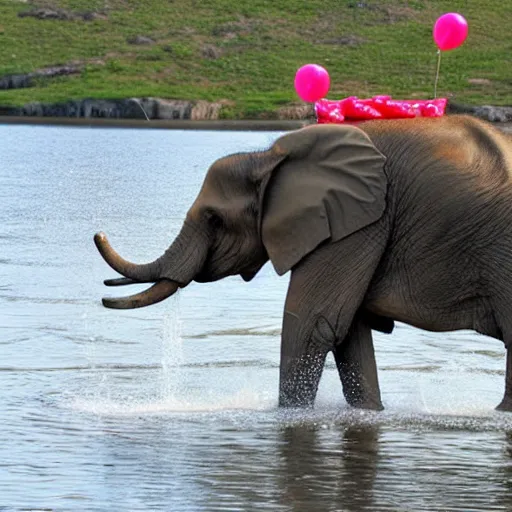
[130,108]
[165,109]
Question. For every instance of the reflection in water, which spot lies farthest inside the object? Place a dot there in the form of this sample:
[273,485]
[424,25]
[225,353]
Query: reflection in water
[508,444]
[336,473]
[504,499]
[218,462]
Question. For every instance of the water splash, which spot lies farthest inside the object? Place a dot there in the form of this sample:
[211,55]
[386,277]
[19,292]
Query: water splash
[172,351]
[165,386]
[242,400]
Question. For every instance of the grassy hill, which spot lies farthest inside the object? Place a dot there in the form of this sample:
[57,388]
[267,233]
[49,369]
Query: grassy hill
[247,51]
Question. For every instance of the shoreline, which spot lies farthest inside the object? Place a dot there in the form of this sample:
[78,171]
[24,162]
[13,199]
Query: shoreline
[158,124]
[176,124]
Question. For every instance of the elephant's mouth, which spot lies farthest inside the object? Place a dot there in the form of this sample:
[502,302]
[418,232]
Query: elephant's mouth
[214,270]
[249,274]
[207,277]
[250,271]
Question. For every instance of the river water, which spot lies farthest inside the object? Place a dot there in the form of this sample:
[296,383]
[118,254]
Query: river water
[174,407]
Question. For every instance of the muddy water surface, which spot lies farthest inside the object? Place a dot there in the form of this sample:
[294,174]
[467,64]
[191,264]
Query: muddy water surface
[173,407]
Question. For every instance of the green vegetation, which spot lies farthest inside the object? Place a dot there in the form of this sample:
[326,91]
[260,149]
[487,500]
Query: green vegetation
[247,51]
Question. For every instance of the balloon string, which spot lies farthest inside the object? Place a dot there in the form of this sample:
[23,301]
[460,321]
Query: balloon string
[437,73]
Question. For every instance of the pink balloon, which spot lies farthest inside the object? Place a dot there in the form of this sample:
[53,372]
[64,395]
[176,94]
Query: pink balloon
[312,82]
[450,31]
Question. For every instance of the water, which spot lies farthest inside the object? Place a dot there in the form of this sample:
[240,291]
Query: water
[174,407]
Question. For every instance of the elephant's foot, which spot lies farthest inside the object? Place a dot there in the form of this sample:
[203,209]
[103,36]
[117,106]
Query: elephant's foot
[359,391]
[296,401]
[299,379]
[505,405]
[355,359]
[370,403]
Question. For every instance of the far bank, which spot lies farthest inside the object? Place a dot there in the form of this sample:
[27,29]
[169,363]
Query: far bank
[166,113]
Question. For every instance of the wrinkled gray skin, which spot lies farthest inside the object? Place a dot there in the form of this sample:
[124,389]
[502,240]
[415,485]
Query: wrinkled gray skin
[439,257]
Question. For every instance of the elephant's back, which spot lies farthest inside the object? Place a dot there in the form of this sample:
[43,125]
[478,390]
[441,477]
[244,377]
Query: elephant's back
[460,145]
[450,185]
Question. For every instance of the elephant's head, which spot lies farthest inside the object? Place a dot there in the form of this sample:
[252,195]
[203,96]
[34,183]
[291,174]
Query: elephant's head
[321,182]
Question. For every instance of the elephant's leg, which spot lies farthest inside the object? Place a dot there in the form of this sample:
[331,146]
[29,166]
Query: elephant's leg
[355,359]
[326,291]
[302,363]
[506,403]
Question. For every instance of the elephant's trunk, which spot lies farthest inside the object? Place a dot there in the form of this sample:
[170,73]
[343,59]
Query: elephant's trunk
[174,269]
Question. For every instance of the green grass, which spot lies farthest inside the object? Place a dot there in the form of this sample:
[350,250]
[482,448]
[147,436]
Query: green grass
[262,43]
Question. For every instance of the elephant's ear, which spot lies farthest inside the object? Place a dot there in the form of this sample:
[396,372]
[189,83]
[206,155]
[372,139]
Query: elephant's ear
[329,183]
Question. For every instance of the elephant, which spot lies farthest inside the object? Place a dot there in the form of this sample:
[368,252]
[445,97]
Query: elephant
[405,220]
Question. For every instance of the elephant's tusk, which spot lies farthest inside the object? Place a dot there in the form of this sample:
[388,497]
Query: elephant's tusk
[122,281]
[156,293]
[124,267]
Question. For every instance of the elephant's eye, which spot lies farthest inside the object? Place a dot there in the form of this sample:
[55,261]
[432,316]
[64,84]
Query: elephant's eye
[213,218]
